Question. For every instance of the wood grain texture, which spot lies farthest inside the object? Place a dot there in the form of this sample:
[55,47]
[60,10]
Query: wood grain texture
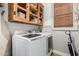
[64,21]
[65,9]
[63,15]
[10,11]
[28,10]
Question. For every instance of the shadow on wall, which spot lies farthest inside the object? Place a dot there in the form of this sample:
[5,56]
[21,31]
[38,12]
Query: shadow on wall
[8,51]
[50,42]
[5,41]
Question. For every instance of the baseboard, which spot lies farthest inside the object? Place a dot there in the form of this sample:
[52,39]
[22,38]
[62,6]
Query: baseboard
[59,53]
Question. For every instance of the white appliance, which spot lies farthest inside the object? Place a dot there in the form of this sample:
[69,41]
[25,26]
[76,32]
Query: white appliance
[29,45]
[48,31]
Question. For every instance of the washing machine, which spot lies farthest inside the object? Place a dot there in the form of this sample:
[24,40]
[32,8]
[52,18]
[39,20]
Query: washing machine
[30,44]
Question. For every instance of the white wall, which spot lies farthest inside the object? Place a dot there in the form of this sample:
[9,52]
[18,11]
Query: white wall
[5,39]
[60,39]
[47,14]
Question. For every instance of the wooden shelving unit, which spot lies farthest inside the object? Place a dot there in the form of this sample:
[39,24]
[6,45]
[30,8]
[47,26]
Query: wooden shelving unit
[21,8]
[29,13]
[35,15]
[40,14]
[33,7]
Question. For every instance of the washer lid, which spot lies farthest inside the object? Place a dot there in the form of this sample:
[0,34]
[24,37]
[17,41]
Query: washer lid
[31,35]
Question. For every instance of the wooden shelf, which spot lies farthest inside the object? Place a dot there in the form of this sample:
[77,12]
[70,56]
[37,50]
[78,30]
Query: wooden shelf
[33,8]
[41,5]
[27,13]
[33,14]
[21,17]
[41,17]
[23,5]
[41,12]
[21,8]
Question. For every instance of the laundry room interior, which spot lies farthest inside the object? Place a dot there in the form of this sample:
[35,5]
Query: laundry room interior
[39,29]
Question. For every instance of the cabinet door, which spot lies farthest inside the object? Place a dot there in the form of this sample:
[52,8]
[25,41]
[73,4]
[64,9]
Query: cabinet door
[26,13]
[17,12]
[63,15]
[12,11]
